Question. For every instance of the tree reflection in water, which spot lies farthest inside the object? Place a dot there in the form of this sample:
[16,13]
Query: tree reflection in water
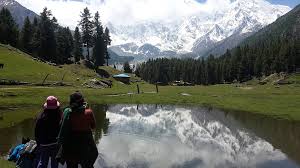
[102,122]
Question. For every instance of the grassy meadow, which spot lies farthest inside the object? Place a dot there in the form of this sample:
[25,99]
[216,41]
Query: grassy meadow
[21,102]
[22,67]
[18,103]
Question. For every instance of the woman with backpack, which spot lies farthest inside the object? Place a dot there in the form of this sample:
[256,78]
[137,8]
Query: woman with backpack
[77,145]
[46,131]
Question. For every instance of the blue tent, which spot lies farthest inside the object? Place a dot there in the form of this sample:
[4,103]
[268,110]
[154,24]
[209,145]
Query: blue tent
[121,76]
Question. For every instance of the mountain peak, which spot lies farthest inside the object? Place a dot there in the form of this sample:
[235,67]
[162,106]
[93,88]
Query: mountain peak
[18,11]
[201,30]
[192,22]
[4,3]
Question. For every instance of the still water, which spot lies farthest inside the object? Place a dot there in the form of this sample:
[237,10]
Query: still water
[183,137]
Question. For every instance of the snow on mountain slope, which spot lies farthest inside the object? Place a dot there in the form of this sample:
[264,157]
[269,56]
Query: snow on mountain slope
[6,2]
[199,32]
[164,28]
[18,12]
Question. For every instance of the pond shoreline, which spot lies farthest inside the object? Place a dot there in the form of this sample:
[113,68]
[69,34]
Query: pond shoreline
[279,103]
[156,124]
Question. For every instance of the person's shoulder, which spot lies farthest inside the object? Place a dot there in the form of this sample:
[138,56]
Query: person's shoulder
[67,109]
[39,115]
[88,111]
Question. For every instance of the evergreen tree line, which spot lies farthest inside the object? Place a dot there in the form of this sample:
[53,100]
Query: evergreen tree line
[240,64]
[45,39]
[274,49]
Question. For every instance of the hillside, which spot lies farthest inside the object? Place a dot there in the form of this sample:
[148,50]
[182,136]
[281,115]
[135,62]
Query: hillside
[22,67]
[115,58]
[285,27]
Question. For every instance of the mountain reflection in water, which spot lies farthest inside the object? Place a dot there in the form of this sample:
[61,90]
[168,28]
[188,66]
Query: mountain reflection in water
[183,137]
[169,136]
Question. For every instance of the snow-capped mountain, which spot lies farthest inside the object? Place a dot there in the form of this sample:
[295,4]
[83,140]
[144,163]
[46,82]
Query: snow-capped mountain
[188,28]
[198,33]
[18,12]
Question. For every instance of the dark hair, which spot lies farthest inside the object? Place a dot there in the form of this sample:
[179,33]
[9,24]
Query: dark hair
[76,100]
[25,140]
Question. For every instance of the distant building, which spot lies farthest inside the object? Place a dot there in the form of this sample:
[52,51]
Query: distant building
[122,78]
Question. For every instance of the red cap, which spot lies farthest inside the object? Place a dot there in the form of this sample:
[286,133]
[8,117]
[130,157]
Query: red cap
[51,103]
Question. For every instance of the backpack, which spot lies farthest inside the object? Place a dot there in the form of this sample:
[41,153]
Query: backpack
[27,155]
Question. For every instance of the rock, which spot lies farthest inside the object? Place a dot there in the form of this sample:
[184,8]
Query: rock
[282,82]
[12,82]
[97,84]
[185,94]
[103,73]
[108,83]
[262,82]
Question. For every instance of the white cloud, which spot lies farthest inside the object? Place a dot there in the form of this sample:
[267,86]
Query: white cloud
[124,11]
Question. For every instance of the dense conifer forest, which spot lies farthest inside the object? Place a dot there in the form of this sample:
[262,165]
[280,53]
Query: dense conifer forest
[276,48]
[45,39]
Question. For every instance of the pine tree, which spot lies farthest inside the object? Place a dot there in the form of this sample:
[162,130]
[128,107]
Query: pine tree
[99,47]
[77,45]
[70,41]
[127,68]
[8,28]
[26,36]
[35,42]
[258,66]
[35,22]
[87,29]
[107,41]
[47,46]
[64,41]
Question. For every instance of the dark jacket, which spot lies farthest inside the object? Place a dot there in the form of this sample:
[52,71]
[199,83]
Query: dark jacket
[47,126]
[76,138]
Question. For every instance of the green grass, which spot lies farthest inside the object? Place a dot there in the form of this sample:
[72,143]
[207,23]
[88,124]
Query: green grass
[294,78]
[282,102]
[6,164]
[20,66]
[18,103]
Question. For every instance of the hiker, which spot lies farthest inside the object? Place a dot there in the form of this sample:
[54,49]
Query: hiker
[75,136]
[15,153]
[46,131]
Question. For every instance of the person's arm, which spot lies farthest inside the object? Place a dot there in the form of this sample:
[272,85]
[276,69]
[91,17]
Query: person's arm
[93,121]
[91,118]
[64,126]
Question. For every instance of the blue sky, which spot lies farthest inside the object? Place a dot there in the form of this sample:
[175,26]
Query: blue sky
[291,3]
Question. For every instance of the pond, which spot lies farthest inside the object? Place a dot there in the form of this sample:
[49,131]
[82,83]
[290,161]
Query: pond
[183,137]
